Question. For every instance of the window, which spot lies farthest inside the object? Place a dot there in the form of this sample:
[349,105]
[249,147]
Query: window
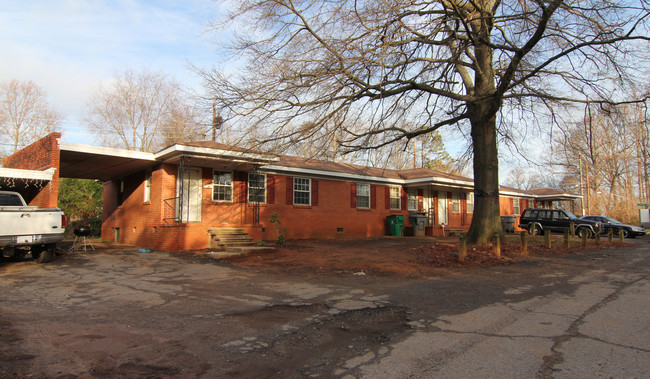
[470,202]
[222,186]
[395,197]
[147,186]
[515,206]
[559,215]
[256,188]
[10,200]
[363,196]
[301,191]
[455,202]
[412,199]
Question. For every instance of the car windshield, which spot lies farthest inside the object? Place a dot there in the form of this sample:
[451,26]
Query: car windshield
[612,221]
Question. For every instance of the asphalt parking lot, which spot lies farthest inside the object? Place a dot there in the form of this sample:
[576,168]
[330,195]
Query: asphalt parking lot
[119,312]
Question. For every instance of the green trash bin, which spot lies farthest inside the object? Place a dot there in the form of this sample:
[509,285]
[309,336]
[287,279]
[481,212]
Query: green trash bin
[395,225]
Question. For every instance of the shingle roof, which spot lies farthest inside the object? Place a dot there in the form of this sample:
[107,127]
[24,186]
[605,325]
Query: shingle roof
[290,162]
[342,168]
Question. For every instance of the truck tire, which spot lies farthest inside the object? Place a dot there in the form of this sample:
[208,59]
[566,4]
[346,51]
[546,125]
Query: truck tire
[43,254]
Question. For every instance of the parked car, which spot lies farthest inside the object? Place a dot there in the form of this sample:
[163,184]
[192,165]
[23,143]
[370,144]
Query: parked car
[608,223]
[28,229]
[537,220]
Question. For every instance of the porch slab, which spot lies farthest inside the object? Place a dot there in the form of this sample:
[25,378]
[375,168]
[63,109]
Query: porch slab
[240,251]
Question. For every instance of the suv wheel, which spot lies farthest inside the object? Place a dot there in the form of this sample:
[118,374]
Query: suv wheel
[581,232]
[535,229]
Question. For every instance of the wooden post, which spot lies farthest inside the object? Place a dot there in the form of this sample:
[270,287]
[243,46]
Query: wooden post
[572,229]
[621,236]
[610,235]
[496,247]
[524,243]
[597,236]
[547,238]
[462,248]
[584,239]
[566,238]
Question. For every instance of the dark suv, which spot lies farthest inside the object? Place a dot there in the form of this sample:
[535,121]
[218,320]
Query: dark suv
[536,220]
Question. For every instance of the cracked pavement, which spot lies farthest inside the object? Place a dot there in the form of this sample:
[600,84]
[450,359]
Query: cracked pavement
[118,312]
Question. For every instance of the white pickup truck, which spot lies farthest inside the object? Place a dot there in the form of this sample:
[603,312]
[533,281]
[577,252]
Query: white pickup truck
[26,228]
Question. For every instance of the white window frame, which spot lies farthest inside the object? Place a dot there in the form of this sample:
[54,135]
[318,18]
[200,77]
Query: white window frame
[301,182]
[516,206]
[412,199]
[147,186]
[455,202]
[470,202]
[263,188]
[363,192]
[217,185]
[396,190]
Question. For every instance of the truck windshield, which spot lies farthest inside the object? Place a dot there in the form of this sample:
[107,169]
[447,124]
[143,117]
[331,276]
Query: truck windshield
[10,199]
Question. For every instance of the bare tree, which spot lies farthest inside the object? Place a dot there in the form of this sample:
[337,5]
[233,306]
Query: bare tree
[25,115]
[435,63]
[606,152]
[142,111]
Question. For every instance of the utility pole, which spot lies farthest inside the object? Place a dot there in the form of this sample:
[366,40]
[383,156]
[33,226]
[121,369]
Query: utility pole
[415,154]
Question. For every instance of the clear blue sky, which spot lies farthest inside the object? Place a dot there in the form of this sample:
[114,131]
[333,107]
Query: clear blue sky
[70,47]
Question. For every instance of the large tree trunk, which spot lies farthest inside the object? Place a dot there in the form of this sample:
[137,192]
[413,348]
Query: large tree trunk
[482,115]
[487,219]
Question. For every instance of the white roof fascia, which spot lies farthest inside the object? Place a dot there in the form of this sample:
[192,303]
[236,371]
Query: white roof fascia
[558,195]
[516,194]
[17,173]
[308,171]
[110,151]
[176,150]
[435,180]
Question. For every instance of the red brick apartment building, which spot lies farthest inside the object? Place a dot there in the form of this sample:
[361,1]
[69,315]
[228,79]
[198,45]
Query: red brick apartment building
[170,199]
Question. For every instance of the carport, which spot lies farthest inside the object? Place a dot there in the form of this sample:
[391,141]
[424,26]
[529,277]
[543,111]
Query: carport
[100,163]
[29,183]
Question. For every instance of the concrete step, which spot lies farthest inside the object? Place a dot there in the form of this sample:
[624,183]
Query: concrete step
[224,231]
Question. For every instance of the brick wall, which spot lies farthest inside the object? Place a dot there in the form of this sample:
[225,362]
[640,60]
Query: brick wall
[40,155]
[333,213]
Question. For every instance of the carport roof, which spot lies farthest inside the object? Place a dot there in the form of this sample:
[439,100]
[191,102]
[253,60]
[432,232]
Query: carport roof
[13,179]
[103,163]
[106,163]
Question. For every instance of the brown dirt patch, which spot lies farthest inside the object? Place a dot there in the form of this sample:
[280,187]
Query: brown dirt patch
[400,256]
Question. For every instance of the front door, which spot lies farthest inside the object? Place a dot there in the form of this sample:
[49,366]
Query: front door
[188,192]
[442,208]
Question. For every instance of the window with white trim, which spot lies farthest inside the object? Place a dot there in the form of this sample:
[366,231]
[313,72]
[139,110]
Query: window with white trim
[412,199]
[515,206]
[455,202]
[222,186]
[256,188]
[301,191]
[395,197]
[363,196]
[470,202]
